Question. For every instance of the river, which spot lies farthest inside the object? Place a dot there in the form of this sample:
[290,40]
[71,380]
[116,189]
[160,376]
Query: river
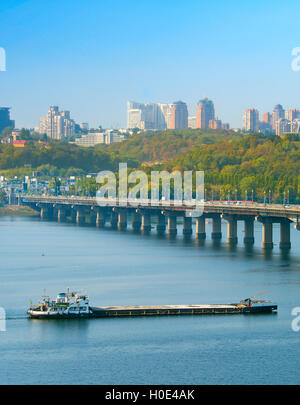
[119,268]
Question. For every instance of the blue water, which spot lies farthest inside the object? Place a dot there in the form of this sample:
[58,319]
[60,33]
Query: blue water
[119,268]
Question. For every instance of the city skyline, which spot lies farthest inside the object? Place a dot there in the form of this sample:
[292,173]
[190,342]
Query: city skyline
[159,116]
[220,57]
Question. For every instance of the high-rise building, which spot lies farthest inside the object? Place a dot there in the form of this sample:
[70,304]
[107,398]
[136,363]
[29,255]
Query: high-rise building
[57,124]
[295,125]
[277,114]
[293,114]
[166,110]
[266,118]
[251,120]
[5,120]
[179,115]
[282,125]
[205,113]
[215,124]
[147,116]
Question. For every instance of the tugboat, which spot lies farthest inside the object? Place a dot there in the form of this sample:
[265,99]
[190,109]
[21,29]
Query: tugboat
[75,305]
[65,306]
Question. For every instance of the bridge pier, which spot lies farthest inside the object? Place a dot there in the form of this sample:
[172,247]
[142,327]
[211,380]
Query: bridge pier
[136,221]
[161,223]
[114,220]
[146,222]
[100,218]
[249,231]
[232,238]
[172,225]
[122,220]
[73,215]
[61,214]
[200,227]
[285,234]
[93,216]
[216,227]
[45,212]
[187,226]
[267,233]
[80,216]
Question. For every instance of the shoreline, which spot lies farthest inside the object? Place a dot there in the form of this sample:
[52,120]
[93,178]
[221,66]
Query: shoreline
[17,210]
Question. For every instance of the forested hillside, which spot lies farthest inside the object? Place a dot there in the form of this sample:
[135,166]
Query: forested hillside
[233,163]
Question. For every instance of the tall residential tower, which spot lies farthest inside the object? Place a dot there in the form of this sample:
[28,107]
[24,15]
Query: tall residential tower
[57,124]
[251,120]
[179,115]
[205,113]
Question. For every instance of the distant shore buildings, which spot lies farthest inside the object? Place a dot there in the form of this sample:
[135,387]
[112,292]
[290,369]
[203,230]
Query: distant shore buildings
[107,137]
[278,122]
[158,116]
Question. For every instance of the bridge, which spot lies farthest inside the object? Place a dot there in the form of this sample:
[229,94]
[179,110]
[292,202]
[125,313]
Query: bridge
[82,209]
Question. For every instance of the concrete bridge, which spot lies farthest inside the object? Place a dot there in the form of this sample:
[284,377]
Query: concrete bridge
[79,209]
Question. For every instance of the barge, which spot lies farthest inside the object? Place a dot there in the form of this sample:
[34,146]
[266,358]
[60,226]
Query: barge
[75,305]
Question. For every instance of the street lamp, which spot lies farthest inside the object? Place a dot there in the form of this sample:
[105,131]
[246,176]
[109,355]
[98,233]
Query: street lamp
[264,197]
[269,196]
[252,195]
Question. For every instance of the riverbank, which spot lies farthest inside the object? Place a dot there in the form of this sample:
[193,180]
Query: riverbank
[17,210]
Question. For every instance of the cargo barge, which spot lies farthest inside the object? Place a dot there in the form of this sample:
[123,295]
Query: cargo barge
[74,305]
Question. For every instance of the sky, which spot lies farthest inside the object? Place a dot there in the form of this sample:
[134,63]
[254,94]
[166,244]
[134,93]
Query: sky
[90,57]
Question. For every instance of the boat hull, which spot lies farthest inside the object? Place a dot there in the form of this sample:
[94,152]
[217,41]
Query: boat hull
[155,310]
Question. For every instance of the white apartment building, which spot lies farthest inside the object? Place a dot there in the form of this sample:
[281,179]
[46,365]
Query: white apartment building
[148,116]
[91,139]
[192,122]
[95,138]
[57,124]
[251,120]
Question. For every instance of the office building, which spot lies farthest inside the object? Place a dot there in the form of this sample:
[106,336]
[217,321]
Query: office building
[5,120]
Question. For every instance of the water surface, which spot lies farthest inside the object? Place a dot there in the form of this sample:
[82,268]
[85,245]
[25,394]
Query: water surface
[120,268]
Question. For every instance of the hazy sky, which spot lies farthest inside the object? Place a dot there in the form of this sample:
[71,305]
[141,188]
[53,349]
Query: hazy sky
[91,56]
